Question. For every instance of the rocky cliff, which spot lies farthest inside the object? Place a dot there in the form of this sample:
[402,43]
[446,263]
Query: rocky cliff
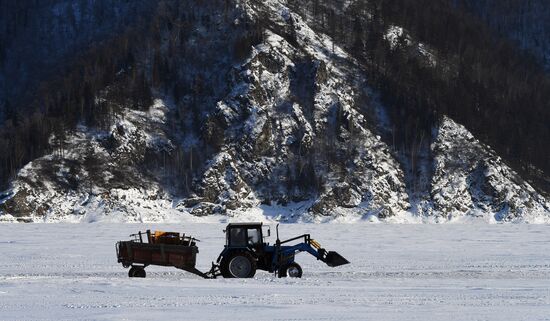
[253,111]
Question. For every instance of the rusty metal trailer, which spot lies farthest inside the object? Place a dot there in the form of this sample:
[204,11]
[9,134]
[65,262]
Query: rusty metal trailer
[164,249]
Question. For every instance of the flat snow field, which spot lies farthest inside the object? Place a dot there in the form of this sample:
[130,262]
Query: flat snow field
[398,272]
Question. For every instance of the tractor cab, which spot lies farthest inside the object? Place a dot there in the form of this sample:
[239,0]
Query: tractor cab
[245,235]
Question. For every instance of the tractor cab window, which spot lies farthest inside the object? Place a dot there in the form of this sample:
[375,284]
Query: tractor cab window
[237,236]
[254,236]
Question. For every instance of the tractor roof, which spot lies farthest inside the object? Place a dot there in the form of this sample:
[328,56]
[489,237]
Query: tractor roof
[244,224]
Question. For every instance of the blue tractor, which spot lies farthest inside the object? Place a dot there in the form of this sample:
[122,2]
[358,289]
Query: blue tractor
[246,251]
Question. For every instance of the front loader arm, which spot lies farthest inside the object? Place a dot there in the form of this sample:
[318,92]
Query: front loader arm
[312,247]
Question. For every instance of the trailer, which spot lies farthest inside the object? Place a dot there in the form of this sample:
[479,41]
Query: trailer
[245,252]
[158,248]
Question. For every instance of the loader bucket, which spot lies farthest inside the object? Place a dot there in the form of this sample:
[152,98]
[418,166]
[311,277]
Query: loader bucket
[334,259]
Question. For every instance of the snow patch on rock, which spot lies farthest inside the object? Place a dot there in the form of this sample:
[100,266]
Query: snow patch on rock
[471,180]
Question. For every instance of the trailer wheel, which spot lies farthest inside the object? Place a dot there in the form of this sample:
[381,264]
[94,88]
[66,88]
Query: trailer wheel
[137,272]
[293,270]
[239,265]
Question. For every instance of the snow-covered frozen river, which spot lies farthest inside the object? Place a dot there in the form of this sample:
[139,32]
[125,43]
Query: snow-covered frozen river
[398,272]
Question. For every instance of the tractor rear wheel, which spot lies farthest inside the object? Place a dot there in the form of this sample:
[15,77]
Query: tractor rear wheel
[238,265]
[293,270]
[137,272]
[224,269]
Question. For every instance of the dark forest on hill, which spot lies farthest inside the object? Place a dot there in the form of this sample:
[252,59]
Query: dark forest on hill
[482,79]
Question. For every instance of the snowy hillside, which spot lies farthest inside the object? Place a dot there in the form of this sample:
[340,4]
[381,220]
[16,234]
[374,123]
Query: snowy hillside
[470,179]
[289,129]
[96,175]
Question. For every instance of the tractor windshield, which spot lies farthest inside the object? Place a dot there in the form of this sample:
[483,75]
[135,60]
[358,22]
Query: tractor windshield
[254,236]
[237,237]
[245,236]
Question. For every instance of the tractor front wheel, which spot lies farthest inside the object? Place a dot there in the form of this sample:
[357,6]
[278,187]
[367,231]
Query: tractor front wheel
[137,272]
[238,265]
[293,270]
